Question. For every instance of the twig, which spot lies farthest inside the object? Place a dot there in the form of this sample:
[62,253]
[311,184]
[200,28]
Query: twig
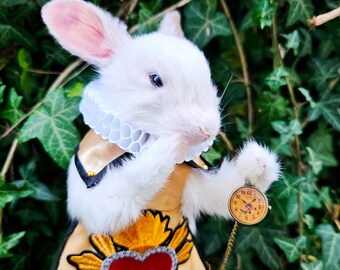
[5,168]
[243,64]
[323,18]
[226,141]
[279,61]
[9,159]
[159,15]
[54,86]
[38,71]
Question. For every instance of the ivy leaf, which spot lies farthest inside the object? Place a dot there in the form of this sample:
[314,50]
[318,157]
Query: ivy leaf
[272,107]
[260,238]
[202,22]
[9,32]
[287,130]
[9,242]
[306,43]
[292,41]
[52,125]
[11,110]
[147,10]
[299,10]
[317,265]
[212,156]
[2,91]
[323,72]
[314,161]
[320,143]
[12,191]
[263,12]
[24,59]
[306,94]
[288,186]
[276,79]
[330,246]
[328,107]
[292,247]
[10,3]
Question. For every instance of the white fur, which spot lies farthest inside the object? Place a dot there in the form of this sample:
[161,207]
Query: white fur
[182,113]
[209,192]
[123,192]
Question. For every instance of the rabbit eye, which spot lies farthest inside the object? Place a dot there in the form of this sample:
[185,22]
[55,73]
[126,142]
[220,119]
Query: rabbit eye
[155,80]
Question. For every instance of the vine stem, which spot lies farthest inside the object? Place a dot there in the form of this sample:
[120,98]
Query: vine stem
[243,64]
[278,61]
[4,170]
[159,15]
[54,86]
[226,141]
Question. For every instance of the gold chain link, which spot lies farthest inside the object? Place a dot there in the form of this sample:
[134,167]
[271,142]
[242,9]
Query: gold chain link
[229,246]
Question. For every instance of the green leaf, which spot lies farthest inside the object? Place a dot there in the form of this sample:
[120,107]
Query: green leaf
[12,191]
[323,72]
[2,91]
[147,10]
[10,3]
[292,41]
[330,246]
[9,32]
[24,59]
[309,221]
[263,11]
[292,247]
[314,161]
[212,156]
[306,42]
[321,144]
[306,94]
[325,195]
[9,242]
[272,107]
[317,265]
[76,90]
[261,240]
[288,186]
[52,125]
[287,130]
[276,79]
[203,23]
[241,128]
[328,107]
[11,110]
[299,10]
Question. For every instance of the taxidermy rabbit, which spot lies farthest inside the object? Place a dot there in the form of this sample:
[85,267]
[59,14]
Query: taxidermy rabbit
[135,184]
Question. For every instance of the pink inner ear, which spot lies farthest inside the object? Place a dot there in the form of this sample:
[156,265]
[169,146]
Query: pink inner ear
[78,28]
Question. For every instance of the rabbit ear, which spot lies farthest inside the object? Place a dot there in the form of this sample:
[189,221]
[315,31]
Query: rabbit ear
[171,25]
[85,30]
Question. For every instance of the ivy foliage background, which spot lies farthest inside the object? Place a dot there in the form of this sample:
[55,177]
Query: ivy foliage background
[282,91]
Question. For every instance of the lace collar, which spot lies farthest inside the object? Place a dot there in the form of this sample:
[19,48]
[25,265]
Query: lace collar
[111,127]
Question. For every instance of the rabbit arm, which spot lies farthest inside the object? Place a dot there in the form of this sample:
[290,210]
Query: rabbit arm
[209,192]
[123,192]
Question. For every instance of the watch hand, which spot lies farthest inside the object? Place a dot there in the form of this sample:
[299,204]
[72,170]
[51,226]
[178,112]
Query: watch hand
[249,204]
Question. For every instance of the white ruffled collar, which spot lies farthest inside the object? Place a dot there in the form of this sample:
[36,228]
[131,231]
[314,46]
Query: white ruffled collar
[112,128]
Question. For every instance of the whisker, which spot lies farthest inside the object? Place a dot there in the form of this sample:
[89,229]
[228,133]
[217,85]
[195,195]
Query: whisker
[225,88]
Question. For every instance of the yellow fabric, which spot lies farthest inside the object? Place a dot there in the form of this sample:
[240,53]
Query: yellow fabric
[95,153]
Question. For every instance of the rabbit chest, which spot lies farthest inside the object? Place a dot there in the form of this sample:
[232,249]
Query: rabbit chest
[159,239]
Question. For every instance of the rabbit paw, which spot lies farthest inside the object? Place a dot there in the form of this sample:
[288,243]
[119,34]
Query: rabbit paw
[258,165]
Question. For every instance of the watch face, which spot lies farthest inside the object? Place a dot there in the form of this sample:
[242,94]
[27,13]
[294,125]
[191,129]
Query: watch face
[248,205]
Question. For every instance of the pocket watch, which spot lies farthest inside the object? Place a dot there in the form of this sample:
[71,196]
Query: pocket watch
[248,205]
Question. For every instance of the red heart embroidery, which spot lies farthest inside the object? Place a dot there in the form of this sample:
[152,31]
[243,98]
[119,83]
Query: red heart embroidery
[161,258]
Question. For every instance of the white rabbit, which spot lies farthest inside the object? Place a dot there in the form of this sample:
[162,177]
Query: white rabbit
[158,88]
